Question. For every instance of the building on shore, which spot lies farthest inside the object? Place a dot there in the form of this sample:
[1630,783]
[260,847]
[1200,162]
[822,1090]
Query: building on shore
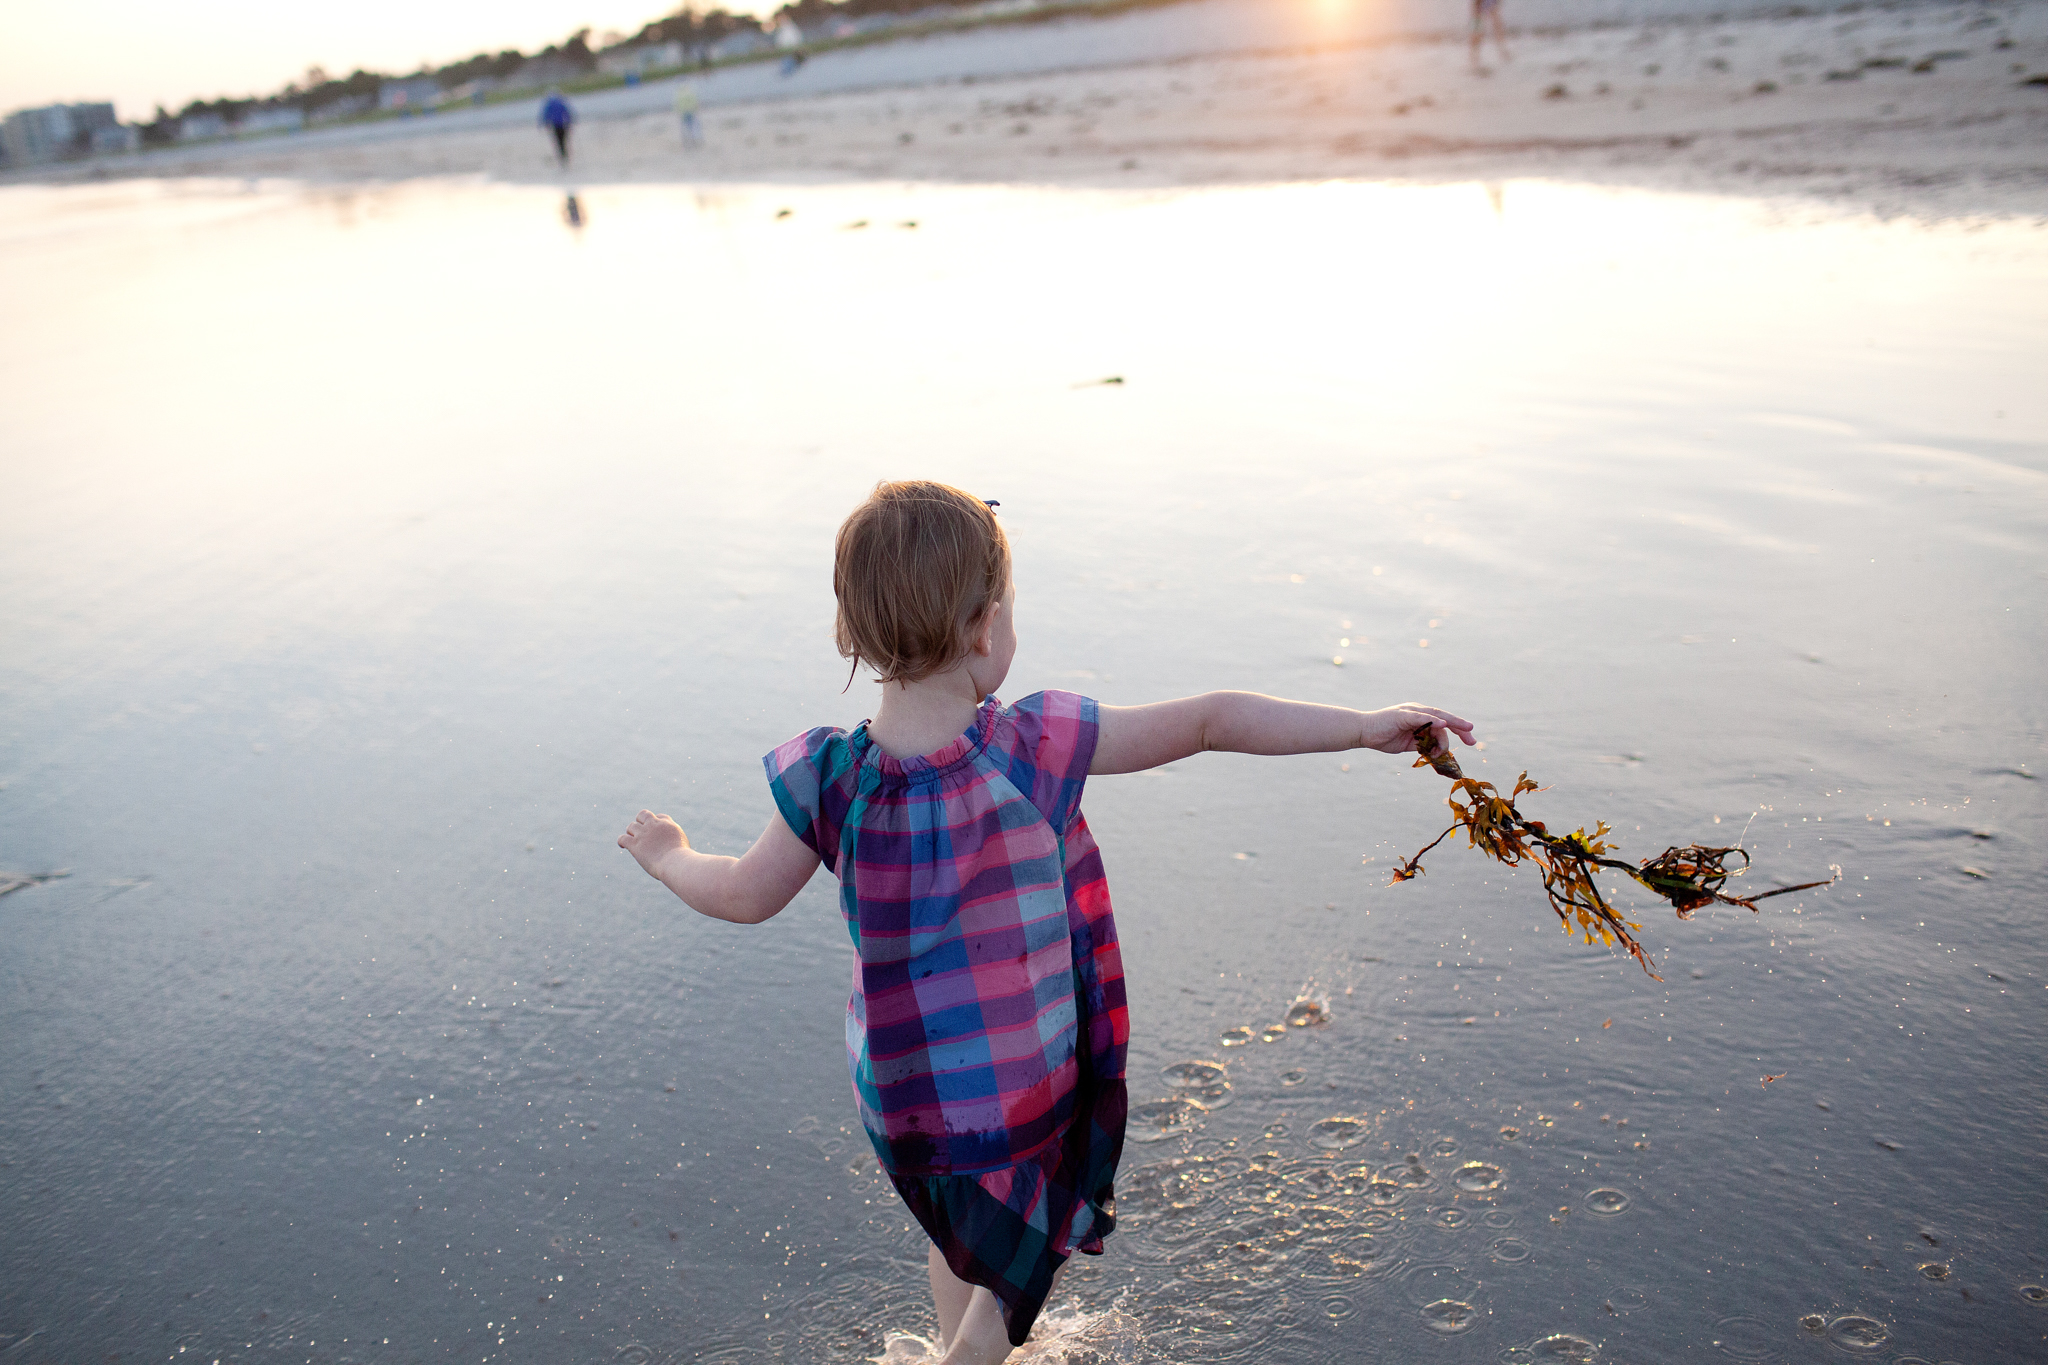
[347,107]
[642,60]
[412,94]
[550,68]
[271,118]
[58,132]
[739,43]
[204,124]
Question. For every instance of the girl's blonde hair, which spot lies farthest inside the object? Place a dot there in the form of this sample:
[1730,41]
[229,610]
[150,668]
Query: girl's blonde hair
[915,565]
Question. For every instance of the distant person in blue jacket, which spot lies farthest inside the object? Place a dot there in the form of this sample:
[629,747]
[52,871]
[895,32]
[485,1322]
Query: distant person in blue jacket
[556,116]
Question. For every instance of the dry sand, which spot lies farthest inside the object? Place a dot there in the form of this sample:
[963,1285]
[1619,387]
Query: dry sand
[1843,104]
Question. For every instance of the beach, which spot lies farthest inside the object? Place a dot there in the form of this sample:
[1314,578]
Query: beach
[382,537]
[1903,108]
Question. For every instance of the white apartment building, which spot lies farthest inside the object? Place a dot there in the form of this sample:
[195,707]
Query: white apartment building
[29,137]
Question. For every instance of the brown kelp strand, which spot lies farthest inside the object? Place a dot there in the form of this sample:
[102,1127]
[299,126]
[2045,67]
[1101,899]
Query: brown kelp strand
[1688,877]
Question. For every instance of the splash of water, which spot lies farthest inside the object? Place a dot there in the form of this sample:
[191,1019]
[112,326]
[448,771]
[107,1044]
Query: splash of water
[1063,1336]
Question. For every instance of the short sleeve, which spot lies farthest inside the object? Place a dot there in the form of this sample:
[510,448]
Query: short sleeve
[808,777]
[1055,737]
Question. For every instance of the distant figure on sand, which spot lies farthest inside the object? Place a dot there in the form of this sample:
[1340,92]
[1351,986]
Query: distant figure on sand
[686,110]
[556,116]
[1483,13]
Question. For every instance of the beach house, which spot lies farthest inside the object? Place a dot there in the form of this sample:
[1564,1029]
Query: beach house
[640,60]
[197,127]
[739,43]
[409,95]
[272,118]
[335,110]
[29,137]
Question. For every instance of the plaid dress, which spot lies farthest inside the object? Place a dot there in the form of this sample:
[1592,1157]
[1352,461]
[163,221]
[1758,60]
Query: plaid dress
[987,1028]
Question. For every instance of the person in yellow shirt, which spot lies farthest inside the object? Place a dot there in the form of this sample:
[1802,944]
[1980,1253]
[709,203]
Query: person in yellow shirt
[686,110]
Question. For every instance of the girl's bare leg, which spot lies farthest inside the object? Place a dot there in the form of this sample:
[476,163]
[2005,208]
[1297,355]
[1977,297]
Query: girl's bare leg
[982,1338]
[950,1296]
[971,1327]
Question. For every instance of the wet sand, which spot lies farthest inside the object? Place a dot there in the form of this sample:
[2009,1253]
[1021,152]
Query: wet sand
[1833,105]
[380,541]
[375,550]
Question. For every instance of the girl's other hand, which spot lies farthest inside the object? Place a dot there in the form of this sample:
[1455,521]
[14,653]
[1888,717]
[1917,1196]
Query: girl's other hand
[652,838]
[1391,730]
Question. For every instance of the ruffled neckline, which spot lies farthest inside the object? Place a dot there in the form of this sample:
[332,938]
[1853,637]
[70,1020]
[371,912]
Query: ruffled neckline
[933,766]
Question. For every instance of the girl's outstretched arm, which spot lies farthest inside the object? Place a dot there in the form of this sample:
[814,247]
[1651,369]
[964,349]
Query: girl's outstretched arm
[1133,738]
[744,890]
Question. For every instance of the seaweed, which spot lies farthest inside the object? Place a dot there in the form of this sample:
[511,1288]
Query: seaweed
[1690,877]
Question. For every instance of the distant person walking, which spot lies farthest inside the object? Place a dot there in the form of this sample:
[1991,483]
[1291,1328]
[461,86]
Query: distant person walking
[1485,12]
[556,116]
[686,110]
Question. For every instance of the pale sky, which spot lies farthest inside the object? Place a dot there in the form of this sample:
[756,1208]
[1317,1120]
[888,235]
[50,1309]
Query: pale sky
[140,53]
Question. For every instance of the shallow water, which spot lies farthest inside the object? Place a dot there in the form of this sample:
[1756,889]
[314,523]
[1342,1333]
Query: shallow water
[373,554]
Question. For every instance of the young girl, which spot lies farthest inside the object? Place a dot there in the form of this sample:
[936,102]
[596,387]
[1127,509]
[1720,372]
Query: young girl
[986,1029]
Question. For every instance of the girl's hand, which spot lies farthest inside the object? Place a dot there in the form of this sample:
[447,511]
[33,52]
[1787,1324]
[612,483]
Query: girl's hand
[1391,730]
[744,890]
[1134,738]
[652,838]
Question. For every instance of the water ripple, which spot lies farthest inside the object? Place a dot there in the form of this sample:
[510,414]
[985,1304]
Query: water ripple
[1606,1202]
[1744,1337]
[1854,1332]
[1509,1251]
[1477,1177]
[1448,1317]
[1335,1134]
[1157,1120]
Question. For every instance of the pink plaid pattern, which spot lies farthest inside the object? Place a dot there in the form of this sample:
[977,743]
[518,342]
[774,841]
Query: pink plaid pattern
[987,1008]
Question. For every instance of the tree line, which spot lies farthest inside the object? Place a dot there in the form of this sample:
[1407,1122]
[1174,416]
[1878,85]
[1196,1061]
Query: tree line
[317,92]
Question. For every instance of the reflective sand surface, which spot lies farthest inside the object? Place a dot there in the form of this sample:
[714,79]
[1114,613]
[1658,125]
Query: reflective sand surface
[372,555]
